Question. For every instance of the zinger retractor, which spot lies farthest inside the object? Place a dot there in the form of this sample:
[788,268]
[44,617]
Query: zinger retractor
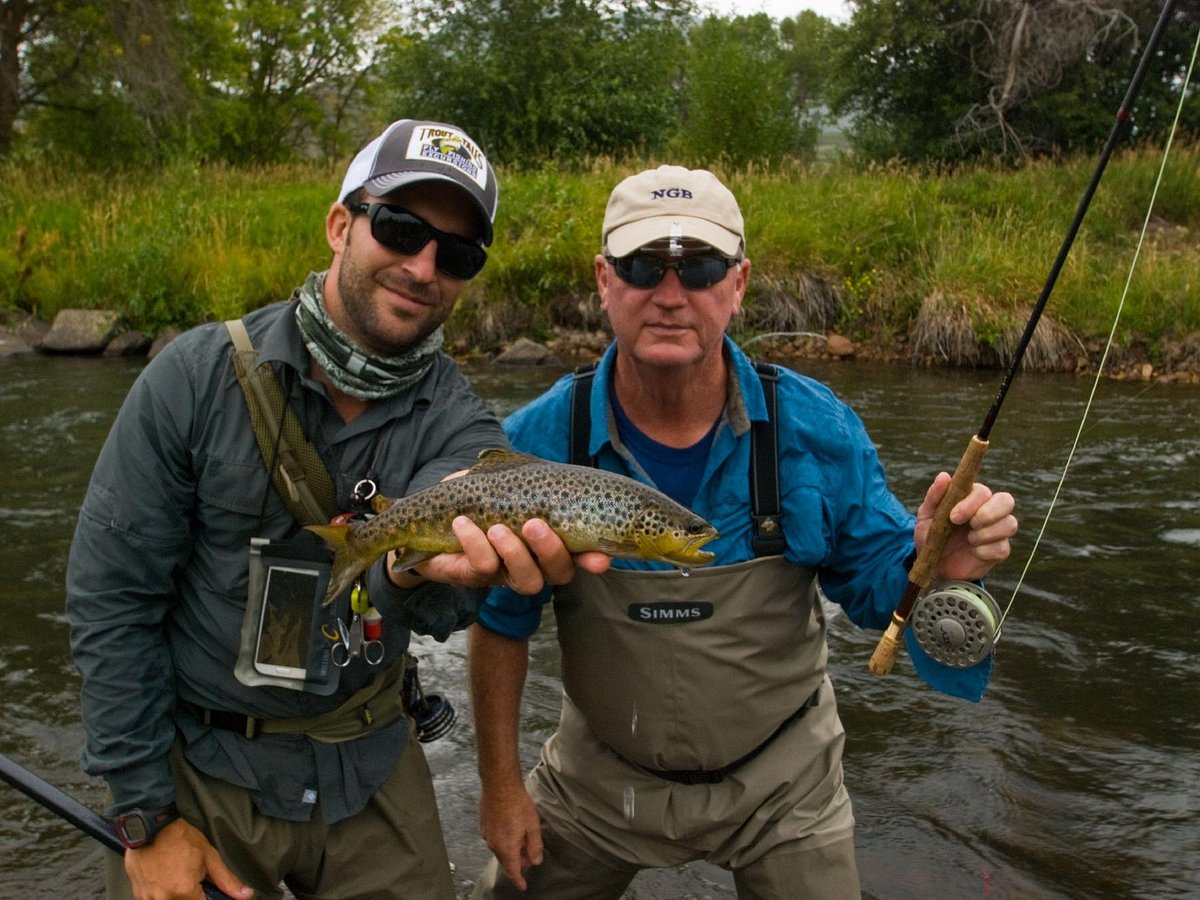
[432,713]
[956,623]
[435,717]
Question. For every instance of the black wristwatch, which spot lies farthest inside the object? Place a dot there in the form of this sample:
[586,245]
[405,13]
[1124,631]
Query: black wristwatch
[139,827]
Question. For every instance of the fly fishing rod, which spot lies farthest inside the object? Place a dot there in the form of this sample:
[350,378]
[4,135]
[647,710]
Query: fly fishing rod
[67,807]
[958,625]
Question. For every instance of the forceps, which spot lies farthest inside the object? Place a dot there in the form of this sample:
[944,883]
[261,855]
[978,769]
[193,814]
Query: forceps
[351,644]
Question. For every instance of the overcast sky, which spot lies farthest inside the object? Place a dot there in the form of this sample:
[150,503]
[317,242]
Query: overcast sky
[782,9]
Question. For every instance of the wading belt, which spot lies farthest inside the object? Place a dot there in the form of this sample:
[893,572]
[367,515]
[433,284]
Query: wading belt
[368,709]
[765,506]
[296,468]
[714,776]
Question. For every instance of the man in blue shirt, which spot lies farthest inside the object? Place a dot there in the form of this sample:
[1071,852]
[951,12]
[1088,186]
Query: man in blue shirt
[698,720]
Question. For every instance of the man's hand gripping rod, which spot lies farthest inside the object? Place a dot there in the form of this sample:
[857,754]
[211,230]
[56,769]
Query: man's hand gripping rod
[921,572]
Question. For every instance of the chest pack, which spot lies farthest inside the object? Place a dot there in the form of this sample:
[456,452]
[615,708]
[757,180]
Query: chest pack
[765,506]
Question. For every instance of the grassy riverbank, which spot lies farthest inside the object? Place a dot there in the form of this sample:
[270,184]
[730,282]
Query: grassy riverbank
[938,266]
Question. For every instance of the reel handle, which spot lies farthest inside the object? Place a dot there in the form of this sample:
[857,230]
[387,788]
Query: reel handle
[921,573]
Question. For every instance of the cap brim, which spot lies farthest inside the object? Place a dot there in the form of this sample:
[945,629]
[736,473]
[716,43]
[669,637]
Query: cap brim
[624,239]
[385,184]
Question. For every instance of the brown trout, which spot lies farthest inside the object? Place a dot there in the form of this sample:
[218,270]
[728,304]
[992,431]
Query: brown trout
[589,509]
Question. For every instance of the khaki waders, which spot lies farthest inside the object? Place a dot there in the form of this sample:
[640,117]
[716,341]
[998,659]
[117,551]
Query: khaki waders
[697,723]
[393,848]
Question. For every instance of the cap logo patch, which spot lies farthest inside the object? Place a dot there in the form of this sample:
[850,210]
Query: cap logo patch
[671,193]
[451,148]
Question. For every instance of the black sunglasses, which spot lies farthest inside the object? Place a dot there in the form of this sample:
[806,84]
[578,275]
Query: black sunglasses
[405,232]
[643,270]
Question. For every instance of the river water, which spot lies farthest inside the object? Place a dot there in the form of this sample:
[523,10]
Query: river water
[1078,775]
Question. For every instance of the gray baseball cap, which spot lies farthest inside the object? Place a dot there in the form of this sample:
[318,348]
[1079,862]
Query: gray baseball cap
[411,151]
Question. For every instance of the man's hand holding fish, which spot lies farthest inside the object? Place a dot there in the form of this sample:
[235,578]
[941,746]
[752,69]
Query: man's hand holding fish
[499,556]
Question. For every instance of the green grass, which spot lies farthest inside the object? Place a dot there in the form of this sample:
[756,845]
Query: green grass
[190,244]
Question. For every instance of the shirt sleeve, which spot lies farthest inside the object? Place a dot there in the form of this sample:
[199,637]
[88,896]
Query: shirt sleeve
[511,614]
[839,514]
[131,535]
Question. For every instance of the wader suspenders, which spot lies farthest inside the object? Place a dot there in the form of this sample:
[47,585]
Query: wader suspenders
[764,470]
[297,471]
[765,506]
[581,418]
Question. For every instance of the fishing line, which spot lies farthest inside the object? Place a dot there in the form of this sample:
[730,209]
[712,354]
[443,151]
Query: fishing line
[1120,407]
[1111,336]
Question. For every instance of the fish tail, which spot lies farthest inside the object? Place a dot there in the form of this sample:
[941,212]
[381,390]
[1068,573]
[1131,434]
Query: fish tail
[346,569]
[347,566]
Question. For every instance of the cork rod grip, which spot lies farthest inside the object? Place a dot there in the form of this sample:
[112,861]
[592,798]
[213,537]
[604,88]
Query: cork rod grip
[921,572]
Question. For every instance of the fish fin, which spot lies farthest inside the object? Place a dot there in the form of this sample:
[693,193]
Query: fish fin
[333,535]
[495,458]
[406,559]
[379,503]
[616,548]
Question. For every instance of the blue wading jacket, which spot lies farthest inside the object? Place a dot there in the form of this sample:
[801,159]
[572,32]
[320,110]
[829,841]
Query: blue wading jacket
[838,514]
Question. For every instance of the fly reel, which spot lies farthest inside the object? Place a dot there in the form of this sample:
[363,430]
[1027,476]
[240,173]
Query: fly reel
[956,623]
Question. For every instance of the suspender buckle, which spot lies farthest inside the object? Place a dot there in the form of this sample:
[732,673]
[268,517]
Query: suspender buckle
[768,537]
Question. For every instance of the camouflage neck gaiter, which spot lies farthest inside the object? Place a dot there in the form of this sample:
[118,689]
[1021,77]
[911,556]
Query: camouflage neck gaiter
[351,368]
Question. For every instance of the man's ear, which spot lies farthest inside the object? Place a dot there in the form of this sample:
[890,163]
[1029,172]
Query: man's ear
[337,227]
[742,276]
[603,271]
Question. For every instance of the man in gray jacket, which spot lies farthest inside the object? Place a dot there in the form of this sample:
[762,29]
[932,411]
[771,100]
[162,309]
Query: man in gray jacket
[234,752]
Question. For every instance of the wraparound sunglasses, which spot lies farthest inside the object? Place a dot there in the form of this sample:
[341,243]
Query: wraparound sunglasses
[405,232]
[644,270]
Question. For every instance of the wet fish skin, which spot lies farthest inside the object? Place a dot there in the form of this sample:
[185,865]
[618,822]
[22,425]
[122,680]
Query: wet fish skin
[590,509]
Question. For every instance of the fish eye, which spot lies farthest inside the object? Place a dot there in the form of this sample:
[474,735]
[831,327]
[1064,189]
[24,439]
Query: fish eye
[696,528]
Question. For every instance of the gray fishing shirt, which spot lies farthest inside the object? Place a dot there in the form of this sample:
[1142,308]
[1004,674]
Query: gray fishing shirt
[157,574]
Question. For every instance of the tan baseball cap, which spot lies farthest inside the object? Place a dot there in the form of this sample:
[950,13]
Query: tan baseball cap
[672,201]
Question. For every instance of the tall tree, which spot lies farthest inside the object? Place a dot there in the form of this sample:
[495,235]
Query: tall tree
[1034,51]
[1012,78]
[15,30]
[47,49]
[294,64]
[237,80]
[904,77]
[543,79]
[810,41]
[741,97]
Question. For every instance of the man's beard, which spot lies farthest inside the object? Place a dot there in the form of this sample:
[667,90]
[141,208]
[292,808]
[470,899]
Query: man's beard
[367,323]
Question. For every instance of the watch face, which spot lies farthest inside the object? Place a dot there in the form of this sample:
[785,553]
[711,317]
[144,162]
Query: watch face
[138,827]
[132,828]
